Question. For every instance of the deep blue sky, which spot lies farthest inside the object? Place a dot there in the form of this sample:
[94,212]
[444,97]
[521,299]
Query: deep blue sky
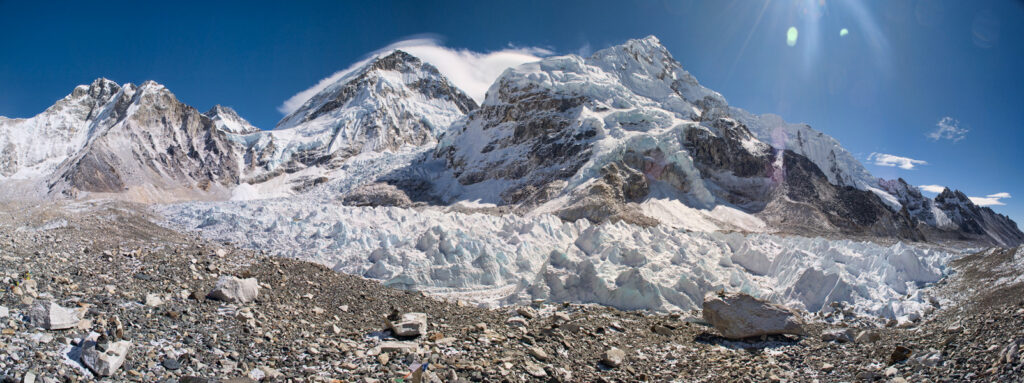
[903,66]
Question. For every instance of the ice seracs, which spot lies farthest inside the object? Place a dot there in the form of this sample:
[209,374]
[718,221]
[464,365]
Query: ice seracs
[492,259]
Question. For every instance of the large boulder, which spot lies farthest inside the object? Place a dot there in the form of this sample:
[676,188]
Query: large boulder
[51,316]
[235,290]
[104,358]
[738,315]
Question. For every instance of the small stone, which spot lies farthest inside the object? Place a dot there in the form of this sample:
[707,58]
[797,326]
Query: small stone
[4,312]
[661,330]
[171,364]
[839,336]
[398,347]
[30,377]
[104,362]
[271,373]
[899,354]
[868,336]
[232,289]
[890,372]
[51,316]
[613,357]
[408,324]
[526,312]
[562,317]
[827,367]
[538,353]
[153,300]
[534,370]
[384,358]
[516,322]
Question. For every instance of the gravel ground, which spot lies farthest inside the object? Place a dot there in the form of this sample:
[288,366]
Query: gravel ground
[111,263]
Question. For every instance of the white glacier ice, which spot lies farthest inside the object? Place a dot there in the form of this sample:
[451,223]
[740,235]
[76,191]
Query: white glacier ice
[511,259]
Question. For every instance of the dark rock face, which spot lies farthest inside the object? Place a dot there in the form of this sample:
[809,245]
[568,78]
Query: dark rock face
[725,151]
[541,131]
[160,142]
[975,220]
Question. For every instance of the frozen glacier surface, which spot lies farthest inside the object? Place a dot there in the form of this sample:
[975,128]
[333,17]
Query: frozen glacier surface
[508,259]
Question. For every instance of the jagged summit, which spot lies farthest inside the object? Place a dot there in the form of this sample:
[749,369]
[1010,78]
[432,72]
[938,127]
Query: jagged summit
[229,121]
[393,103]
[397,74]
[624,134]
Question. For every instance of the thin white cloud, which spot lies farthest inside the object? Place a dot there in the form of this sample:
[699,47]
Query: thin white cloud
[987,201]
[999,195]
[882,159]
[949,129]
[473,72]
[932,188]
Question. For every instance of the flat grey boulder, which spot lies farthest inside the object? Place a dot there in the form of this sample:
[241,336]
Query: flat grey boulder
[408,324]
[235,290]
[738,315]
[399,347]
[51,316]
[104,360]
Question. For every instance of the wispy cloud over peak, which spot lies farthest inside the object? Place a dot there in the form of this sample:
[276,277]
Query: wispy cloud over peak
[473,72]
[932,188]
[991,199]
[883,159]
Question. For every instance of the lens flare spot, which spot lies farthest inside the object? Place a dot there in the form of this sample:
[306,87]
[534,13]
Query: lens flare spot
[844,32]
[791,35]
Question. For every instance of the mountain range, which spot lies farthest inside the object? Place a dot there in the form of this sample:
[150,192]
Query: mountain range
[623,135]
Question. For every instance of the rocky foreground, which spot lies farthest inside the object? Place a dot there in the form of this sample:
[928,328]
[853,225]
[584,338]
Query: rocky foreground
[98,291]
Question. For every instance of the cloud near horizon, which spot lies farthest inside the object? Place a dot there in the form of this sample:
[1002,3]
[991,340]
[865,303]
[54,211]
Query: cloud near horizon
[949,129]
[882,159]
[991,199]
[932,188]
[473,72]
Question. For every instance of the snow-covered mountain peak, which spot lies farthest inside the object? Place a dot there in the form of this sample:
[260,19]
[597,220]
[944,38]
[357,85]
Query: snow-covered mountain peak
[394,102]
[32,147]
[397,75]
[229,121]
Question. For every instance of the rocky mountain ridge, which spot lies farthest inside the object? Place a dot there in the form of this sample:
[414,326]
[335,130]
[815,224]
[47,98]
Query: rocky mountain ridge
[625,134]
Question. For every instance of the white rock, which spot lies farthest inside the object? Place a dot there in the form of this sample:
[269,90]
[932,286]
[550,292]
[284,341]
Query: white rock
[51,316]
[270,373]
[534,369]
[153,300]
[30,377]
[231,289]
[395,346]
[890,372]
[738,315]
[104,363]
[868,336]
[4,312]
[409,324]
[613,357]
[527,312]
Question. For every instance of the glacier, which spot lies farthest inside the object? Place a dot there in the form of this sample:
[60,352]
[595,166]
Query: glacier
[497,260]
